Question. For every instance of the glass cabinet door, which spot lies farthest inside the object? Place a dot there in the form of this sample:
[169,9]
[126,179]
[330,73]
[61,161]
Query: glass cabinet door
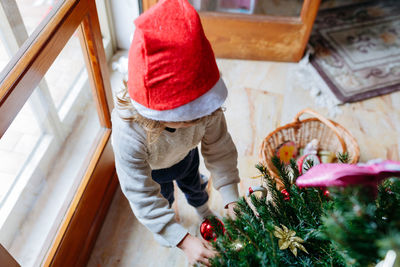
[288,8]
[276,30]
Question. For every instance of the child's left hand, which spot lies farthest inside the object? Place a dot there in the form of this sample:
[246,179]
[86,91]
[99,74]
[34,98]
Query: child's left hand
[231,212]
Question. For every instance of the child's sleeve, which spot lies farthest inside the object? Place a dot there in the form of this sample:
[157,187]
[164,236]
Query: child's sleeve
[143,193]
[220,157]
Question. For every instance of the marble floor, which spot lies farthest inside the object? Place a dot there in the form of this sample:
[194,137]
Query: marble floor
[262,96]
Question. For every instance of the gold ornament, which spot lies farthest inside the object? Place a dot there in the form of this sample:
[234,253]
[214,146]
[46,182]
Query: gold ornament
[237,246]
[257,176]
[327,156]
[288,239]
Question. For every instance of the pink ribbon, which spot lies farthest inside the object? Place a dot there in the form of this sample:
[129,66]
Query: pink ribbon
[336,174]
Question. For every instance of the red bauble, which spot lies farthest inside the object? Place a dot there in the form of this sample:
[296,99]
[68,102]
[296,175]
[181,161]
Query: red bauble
[327,193]
[389,191]
[250,190]
[207,230]
[285,194]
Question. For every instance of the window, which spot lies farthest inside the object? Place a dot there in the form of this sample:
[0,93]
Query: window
[4,58]
[54,130]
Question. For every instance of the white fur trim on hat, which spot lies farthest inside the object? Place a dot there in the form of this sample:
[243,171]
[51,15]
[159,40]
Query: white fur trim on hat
[200,107]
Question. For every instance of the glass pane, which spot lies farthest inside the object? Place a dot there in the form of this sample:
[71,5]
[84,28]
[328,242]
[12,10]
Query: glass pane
[34,11]
[66,70]
[16,146]
[21,18]
[41,183]
[3,54]
[287,8]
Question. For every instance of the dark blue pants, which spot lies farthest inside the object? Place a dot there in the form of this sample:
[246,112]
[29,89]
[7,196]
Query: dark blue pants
[187,176]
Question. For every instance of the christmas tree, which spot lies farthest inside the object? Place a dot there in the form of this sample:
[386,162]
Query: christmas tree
[365,228]
[311,226]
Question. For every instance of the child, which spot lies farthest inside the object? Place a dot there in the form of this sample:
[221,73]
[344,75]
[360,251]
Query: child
[174,103]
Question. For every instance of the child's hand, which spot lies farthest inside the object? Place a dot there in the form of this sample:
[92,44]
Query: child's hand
[197,250]
[231,212]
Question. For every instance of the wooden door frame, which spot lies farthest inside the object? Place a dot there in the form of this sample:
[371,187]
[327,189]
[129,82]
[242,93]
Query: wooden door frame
[258,37]
[82,222]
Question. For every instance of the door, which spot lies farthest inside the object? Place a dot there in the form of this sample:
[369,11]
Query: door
[64,185]
[276,30]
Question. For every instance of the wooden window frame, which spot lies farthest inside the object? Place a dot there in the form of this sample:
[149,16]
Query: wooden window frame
[257,37]
[82,222]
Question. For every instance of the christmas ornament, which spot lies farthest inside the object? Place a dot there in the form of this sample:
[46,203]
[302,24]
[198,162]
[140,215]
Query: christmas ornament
[288,239]
[389,191]
[311,148]
[327,193]
[285,194]
[307,161]
[237,245]
[209,230]
[253,189]
[336,174]
[286,151]
[257,176]
[327,156]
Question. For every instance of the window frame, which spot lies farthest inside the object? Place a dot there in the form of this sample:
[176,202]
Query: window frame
[82,222]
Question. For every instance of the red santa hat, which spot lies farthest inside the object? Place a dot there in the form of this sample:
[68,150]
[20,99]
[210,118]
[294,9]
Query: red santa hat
[172,73]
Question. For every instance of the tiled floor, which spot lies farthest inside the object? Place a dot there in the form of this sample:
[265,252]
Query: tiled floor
[261,98]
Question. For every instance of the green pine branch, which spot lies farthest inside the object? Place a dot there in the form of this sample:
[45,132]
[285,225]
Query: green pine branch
[350,228]
[256,218]
[363,226]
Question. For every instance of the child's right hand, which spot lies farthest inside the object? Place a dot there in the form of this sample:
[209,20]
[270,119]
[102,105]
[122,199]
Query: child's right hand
[197,250]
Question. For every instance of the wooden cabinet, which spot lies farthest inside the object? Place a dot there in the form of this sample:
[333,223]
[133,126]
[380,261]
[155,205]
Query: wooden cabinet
[250,30]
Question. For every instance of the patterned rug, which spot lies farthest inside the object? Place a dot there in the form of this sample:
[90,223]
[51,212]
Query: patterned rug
[356,49]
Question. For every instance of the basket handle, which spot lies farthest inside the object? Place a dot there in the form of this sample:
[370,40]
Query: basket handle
[324,121]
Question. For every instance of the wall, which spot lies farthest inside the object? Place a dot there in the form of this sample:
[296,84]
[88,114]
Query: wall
[124,12]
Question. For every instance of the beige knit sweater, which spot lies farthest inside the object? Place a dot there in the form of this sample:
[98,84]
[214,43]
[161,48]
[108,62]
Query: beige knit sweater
[135,158]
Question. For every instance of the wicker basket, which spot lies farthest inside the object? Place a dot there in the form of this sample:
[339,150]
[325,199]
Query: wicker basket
[331,136]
